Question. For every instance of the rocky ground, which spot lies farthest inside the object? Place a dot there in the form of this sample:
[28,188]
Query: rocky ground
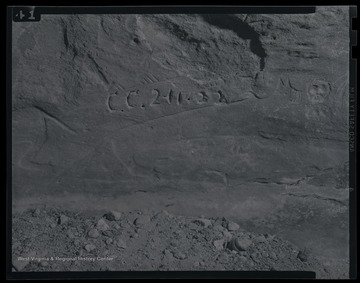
[59,240]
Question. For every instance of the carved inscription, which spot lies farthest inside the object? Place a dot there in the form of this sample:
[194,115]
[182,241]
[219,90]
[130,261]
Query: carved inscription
[128,98]
[156,94]
[294,94]
[156,97]
[204,98]
[318,90]
[162,95]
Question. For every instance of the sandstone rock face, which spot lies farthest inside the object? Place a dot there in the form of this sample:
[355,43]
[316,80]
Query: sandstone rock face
[255,105]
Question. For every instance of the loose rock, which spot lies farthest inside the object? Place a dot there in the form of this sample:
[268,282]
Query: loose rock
[36,212]
[102,225]
[107,233]
[239,244]
[272,255]
[232,226]
[203,222]
[228,236]
[166,213]
[303,255]
[219,228]
[121,244]
[16,245]
[63,219]
[116,226]
[167,252]
[179,255]
[19,264]
[113,216]
[90,247]
[142,220]
[93,233]
[70,234]
[219,244]
[183,245]
[44,263]
[260,239]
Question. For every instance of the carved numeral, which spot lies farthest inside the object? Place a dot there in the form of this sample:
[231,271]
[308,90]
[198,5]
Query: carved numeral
[21,15]
[171,96]
[25,14]
[204,98]
[222,98]
[180,98]
[167,97]
[156,98]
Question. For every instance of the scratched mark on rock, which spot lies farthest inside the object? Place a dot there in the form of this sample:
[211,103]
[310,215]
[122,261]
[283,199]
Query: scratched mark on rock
[223,176]
[46,137]
[98,69]
[26,162]
[116,154]
[149,79]
[143,170]
[23,158]
[319,197]
[295,94]
[236,149]
[46,132]
[178,113]
[56,120]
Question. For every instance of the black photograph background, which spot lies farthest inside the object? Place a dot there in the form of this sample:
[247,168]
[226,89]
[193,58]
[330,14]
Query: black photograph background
[200,142]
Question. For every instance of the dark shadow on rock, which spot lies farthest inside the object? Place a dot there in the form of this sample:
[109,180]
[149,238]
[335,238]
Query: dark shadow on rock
[242,29]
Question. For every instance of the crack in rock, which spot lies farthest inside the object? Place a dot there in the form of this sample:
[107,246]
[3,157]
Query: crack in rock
[317,197]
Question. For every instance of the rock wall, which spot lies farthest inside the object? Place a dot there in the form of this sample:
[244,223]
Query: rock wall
[244,115]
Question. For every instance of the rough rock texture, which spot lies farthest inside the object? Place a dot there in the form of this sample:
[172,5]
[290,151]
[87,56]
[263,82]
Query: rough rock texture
[236,115]
[167,242]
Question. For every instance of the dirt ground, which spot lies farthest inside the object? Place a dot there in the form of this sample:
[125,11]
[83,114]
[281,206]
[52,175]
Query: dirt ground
[59,240]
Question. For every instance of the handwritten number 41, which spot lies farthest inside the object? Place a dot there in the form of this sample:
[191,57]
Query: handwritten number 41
[24,15]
